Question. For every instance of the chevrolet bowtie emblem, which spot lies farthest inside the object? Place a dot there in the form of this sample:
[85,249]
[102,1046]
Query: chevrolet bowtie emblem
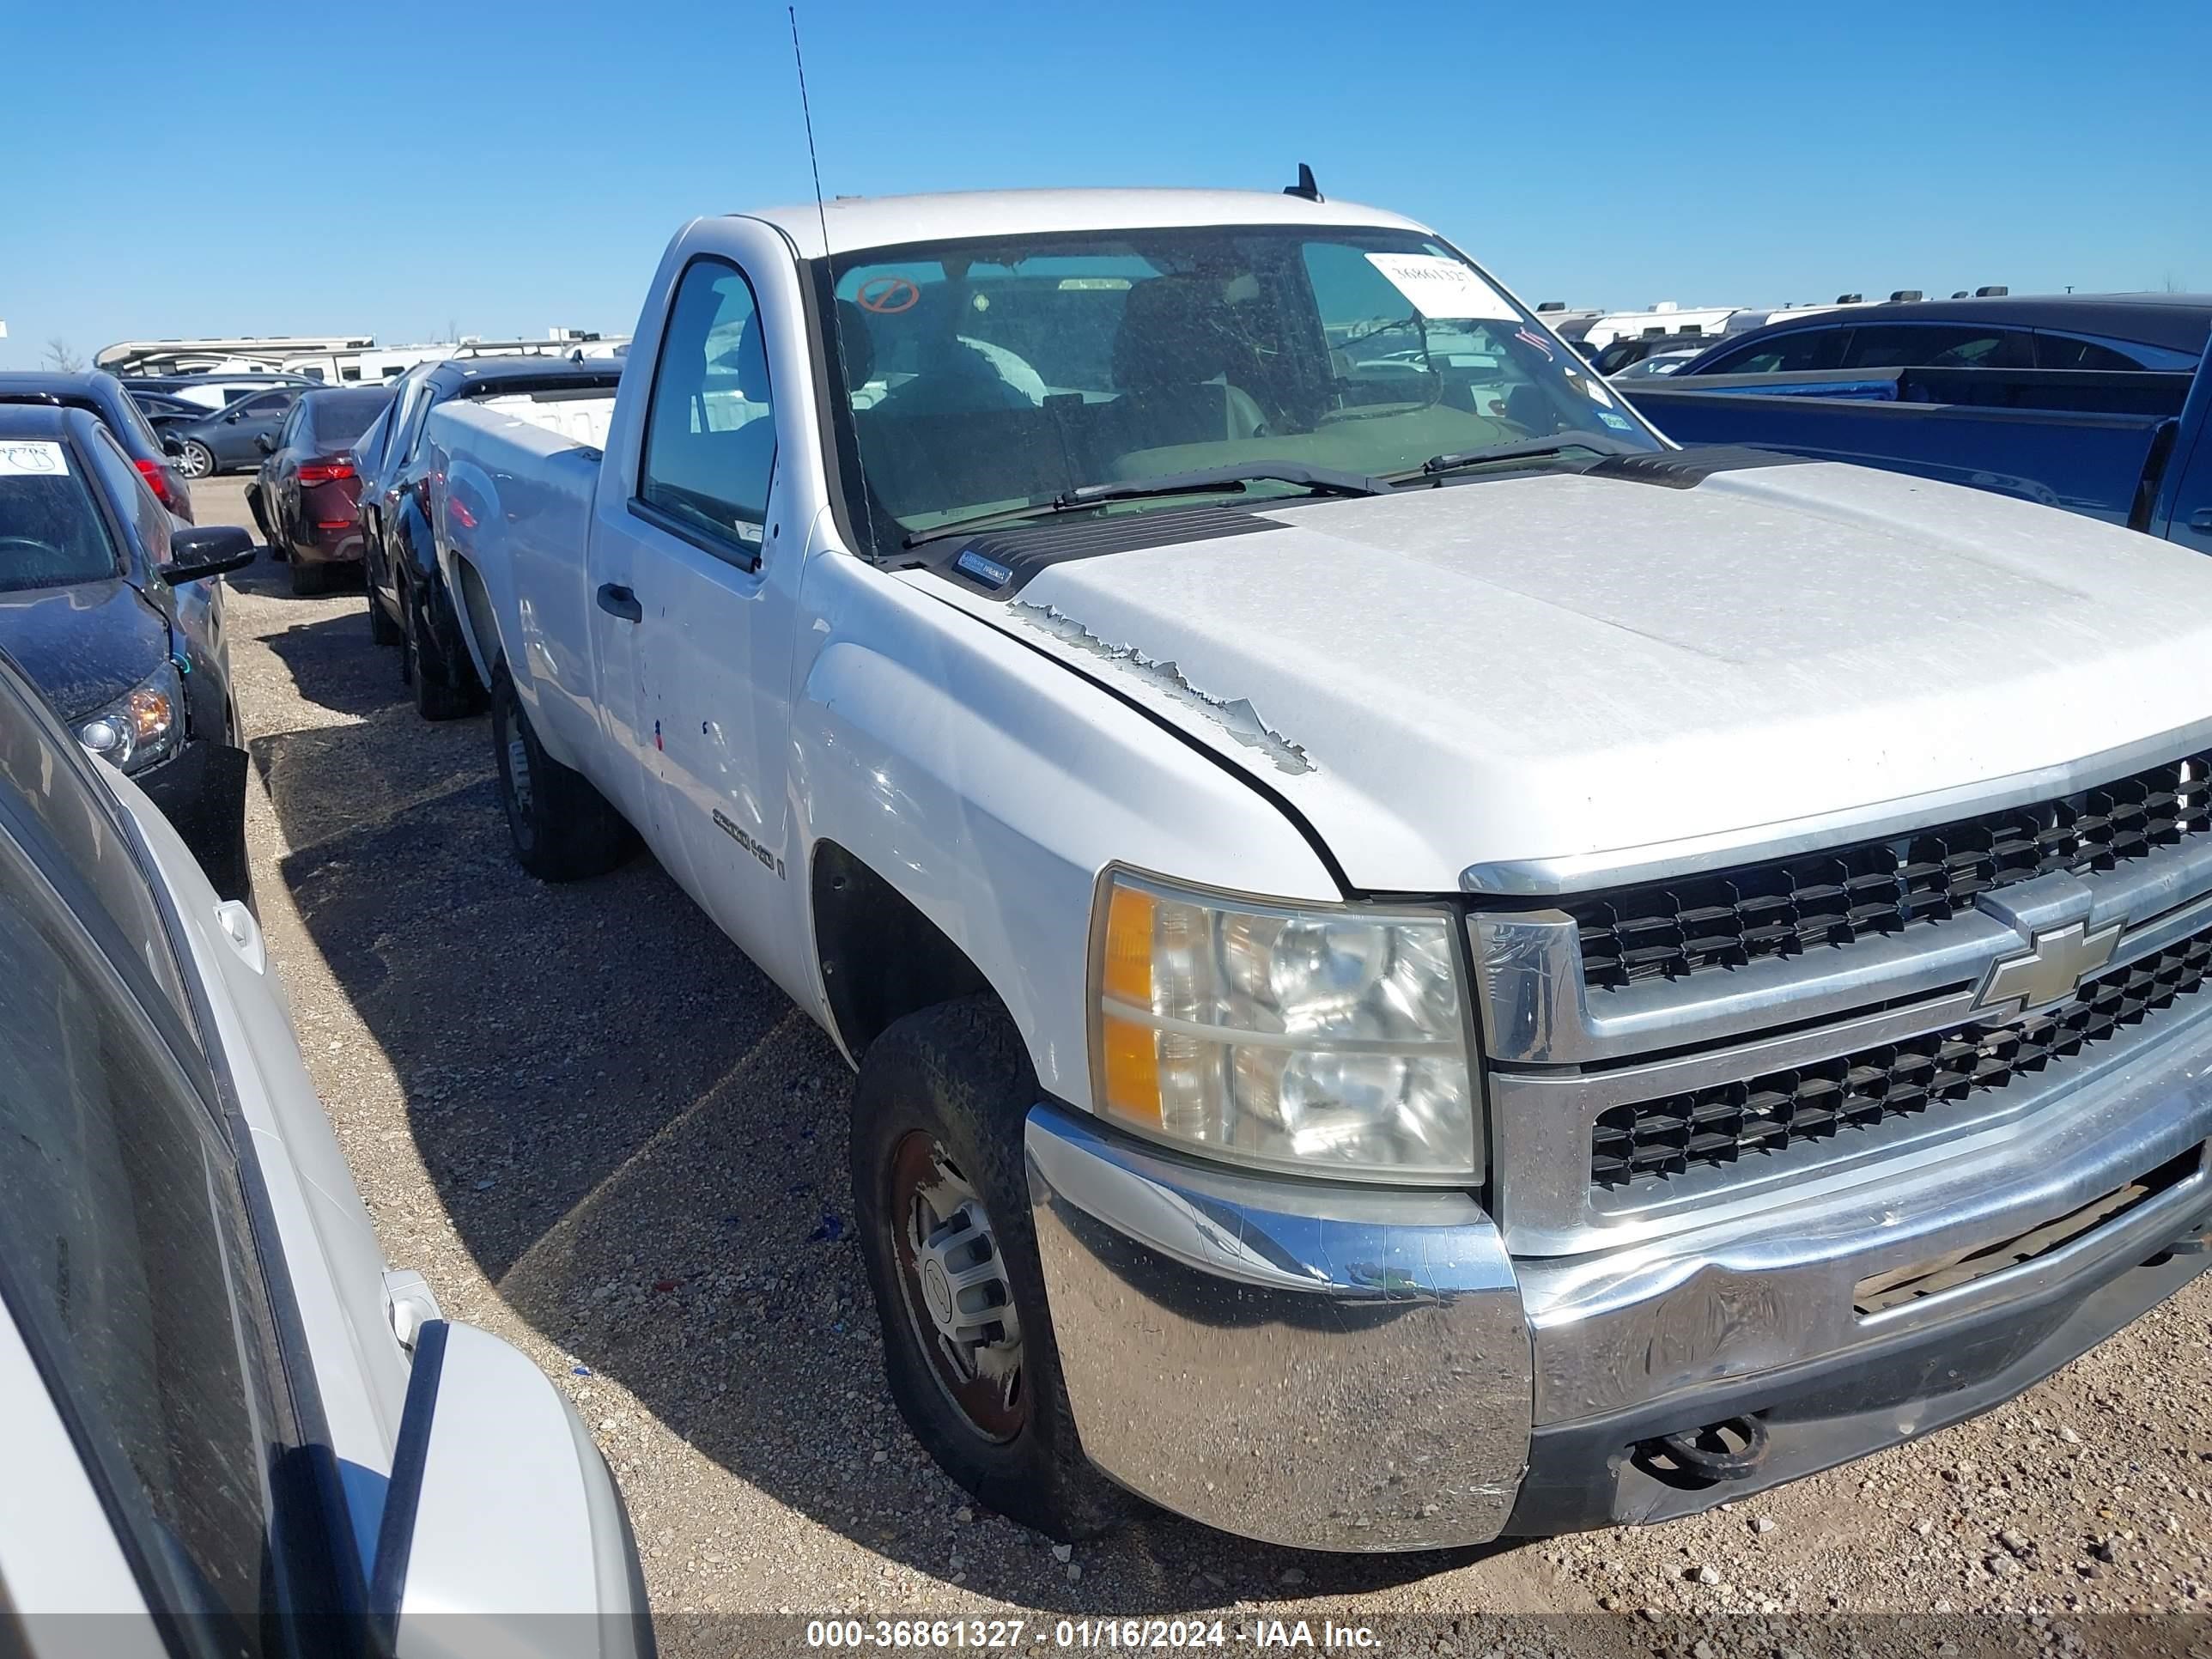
[2055,962]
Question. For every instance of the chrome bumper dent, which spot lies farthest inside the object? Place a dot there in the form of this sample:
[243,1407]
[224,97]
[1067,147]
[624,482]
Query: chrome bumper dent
[1671,1319]
[1325,1367]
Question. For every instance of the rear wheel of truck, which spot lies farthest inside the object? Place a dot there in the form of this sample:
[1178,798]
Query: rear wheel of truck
[941,1197]
[563,828]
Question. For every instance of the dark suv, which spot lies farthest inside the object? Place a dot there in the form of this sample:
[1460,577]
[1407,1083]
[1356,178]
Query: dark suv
[107,397]
[408,604]
[2027,331]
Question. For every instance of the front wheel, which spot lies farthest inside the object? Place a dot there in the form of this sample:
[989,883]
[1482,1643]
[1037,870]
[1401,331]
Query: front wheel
[434,700]
[941,1197]
[382,630]
[197,461]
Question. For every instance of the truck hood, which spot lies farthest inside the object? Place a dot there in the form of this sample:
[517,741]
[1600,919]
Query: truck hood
[84,645]
[1556,667]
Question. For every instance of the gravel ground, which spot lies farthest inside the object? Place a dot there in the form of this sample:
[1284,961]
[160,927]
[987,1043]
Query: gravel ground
[598,1131]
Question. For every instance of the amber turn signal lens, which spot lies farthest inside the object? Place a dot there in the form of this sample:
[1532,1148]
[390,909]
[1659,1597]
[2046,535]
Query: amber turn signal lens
[1128,975]
[1133,1069]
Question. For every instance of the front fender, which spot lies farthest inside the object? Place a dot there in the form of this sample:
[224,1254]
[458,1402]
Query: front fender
[990,787]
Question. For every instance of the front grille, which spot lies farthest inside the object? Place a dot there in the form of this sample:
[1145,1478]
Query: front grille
[1779,908]
[1728,1122]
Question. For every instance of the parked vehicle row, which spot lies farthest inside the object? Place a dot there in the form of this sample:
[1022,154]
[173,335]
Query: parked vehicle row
[409,604]
[1422,963]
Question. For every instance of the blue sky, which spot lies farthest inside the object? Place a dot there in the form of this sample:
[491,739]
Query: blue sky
[396,169]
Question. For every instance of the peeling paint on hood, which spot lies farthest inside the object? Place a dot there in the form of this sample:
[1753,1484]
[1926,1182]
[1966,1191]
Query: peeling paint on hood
[1238,718]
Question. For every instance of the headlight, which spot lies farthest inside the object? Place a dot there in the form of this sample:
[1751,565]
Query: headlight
[144,724]
[1330,1041]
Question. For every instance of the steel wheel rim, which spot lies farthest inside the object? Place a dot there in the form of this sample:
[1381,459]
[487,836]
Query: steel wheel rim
[953,1289]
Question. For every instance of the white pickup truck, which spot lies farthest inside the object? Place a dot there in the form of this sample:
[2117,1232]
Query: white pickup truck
[1422,962]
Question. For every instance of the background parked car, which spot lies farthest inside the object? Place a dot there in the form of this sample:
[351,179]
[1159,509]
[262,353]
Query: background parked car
[408,604]
[1624,353]
[88,561]
[104,396]
[309,485]
[1657,365]
[215,390]
[2021,330]
[165,409]
[244,1433]
[225,440]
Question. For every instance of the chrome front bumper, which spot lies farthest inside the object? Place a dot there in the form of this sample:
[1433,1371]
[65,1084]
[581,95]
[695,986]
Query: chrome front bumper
[1346,1369]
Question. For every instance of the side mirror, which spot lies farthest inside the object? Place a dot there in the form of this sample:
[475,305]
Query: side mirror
[231,419]
[198,551]
[265,444]
[171,445]
[501,1524]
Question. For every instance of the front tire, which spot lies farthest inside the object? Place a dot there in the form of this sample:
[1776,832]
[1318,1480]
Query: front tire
[434,700]
[382,630]
[563,828]
[941,1196]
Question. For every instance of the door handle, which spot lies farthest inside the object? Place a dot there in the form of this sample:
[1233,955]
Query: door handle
[618,601]
[2200,521]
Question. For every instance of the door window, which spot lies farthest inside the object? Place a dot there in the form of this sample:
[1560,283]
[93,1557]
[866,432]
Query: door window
[264,406]
[1799,352]
[2063,351]
[710,431]
[127,1264]
[1937,345]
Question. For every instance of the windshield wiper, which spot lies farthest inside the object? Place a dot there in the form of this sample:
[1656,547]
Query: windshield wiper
[1523,449]
[1210,480]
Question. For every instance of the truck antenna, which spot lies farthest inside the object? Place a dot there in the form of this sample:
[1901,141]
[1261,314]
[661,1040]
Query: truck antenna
[822,216]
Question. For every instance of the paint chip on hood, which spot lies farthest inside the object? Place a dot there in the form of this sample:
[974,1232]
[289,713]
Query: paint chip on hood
[1237,718]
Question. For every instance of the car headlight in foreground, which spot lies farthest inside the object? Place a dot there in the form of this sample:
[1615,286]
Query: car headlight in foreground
[146,724]
[1327,1040]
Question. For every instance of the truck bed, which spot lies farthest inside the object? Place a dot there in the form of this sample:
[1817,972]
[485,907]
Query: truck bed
[2080,440]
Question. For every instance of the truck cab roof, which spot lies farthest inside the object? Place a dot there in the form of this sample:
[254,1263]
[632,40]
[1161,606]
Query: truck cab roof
[854,222]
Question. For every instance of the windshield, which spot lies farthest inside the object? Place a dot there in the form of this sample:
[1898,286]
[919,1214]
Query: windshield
[990,374]
[51,535]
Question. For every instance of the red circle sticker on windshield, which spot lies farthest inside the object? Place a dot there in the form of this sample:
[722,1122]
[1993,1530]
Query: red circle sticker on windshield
[887,295]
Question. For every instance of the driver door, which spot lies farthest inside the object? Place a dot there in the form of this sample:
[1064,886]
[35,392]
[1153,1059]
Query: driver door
[705,552]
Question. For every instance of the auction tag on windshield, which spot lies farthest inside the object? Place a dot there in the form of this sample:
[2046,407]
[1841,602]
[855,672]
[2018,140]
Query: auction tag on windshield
[33,457]
[1439,286]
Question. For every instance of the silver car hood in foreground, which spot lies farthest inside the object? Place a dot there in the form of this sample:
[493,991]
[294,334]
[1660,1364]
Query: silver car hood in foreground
[1559,668]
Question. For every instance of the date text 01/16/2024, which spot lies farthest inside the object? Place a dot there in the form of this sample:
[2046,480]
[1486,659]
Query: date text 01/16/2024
[935,1635]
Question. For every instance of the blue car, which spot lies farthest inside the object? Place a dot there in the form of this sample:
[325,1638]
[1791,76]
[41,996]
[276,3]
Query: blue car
[2026,330]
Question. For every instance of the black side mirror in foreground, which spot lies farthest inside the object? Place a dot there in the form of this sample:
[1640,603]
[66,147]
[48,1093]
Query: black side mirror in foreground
[204,551]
